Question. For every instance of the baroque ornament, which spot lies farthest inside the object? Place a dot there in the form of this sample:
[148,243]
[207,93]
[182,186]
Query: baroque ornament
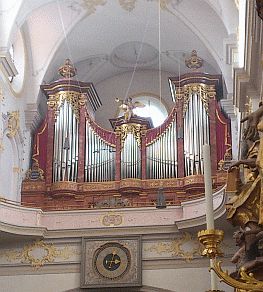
[135,129]
[75,99]
[13,123]
[128,5]
[178,247]
[38,253]
[205,92]
[91,5]
[112,219]
[194,62]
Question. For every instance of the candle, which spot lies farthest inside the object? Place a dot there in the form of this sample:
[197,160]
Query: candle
[209,204]
[208,188]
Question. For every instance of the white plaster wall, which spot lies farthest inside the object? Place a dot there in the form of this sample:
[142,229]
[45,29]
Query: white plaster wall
[179,280]
[7,164]
[39,283]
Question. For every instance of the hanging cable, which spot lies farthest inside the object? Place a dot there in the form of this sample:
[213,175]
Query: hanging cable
[137,58]
[159,48]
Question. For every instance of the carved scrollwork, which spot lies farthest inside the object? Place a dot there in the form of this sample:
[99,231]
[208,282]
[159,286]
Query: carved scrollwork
[38,253]
[136,129]
[75,99]
[178,247]
[205,93]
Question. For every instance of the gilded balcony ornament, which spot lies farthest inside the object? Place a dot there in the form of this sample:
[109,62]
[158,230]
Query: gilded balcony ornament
[194,62]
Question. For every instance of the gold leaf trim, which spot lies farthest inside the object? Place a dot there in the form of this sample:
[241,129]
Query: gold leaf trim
[50,254]
[175,247]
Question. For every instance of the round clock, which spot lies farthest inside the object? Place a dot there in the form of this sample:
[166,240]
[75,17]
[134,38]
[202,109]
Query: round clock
[111,260]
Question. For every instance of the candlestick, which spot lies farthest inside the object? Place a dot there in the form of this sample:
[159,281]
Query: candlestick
[208,188]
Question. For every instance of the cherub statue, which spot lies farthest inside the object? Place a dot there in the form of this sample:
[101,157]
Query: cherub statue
[127,106]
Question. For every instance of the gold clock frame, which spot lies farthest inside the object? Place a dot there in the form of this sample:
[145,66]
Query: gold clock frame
[93,249]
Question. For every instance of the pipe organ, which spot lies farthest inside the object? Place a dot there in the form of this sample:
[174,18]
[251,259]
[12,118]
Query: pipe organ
[81,160]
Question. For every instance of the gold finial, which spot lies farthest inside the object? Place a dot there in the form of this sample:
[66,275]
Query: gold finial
[67,70]
[194,62]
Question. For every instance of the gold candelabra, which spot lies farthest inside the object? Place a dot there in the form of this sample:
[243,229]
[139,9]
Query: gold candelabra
[211,240]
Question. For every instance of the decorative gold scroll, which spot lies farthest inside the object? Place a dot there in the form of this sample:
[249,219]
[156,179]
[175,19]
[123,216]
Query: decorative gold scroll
[136,129]
[75,99]
[38,253]
[205,92]
[178,247]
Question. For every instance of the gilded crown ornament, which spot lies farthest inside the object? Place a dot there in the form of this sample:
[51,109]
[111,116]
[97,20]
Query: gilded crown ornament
[67,70]
[194,62]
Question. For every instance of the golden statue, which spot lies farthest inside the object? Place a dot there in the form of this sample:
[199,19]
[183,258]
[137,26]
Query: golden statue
[127,106]
[245,208]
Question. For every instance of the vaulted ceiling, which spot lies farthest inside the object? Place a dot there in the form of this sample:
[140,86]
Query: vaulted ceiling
[109,38]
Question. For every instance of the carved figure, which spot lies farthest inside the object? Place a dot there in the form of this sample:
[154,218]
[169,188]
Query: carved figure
[238,257]
[127,106]
[245,208]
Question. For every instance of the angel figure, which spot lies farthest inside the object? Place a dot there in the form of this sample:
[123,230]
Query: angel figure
[127,106]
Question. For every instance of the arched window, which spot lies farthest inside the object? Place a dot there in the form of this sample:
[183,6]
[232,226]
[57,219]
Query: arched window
[154,108]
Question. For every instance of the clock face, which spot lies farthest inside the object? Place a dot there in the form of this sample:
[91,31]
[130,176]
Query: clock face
[111,260]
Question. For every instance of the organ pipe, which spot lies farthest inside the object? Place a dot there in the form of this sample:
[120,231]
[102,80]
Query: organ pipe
[65,146]
[99,158]
[162,155]
[196,131]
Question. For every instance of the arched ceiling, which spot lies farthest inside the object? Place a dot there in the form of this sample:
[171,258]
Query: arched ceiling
[106,38]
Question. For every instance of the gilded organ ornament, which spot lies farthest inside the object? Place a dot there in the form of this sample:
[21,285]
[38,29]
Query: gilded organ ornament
[75,99]
[136,129]
[194,62]
[204,92]
[67,70]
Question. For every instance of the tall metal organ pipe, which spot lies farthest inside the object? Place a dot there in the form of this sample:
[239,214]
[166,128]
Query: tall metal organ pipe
[65,150]
[196,134]
[162,155]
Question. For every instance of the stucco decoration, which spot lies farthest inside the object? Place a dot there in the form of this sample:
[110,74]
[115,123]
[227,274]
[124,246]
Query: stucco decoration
[13,123]
[185,247]
[38,253]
